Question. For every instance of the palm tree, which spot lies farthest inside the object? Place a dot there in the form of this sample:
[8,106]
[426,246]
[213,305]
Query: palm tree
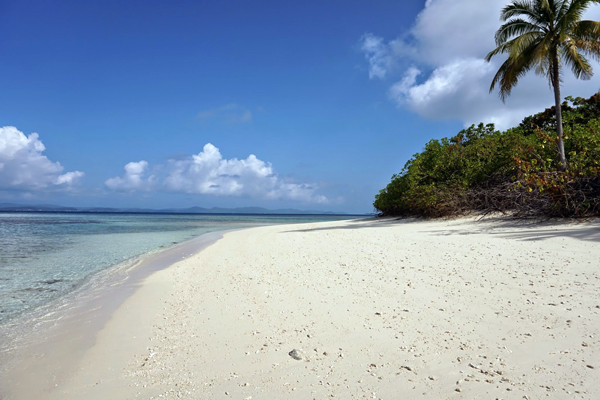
[545,34]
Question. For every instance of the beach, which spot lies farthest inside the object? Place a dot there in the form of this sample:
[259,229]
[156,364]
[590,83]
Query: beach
[359,309]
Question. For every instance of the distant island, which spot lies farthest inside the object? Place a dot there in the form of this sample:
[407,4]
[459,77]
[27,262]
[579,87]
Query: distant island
[12,207]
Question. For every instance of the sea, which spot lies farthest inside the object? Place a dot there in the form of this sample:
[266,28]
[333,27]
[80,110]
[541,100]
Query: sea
[45,257]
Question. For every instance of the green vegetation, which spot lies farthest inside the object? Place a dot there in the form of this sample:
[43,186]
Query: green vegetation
[517,171]
[545,34]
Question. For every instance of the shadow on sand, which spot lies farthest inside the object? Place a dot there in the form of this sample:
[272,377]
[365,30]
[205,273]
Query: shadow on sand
[506,227]
[371,222]
[528,229]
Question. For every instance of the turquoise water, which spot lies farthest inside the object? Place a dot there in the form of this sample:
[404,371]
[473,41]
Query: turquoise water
[46,256]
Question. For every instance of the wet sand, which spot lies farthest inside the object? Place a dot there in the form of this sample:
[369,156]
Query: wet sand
[357,309]
[40,350]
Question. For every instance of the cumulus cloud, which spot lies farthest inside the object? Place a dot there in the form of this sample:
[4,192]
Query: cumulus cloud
[229,113]
[441,71]
[24,167]
[208,173]
[133,179]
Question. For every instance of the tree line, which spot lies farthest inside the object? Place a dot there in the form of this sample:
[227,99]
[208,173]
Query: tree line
[516,171]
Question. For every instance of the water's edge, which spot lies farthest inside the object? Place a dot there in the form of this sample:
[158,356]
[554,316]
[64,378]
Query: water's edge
[30,346]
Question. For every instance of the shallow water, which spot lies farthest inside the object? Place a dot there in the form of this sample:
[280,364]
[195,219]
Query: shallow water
[43,257]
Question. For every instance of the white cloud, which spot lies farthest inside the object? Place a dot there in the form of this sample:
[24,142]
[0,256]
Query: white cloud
[24,167]
[69,178]
[133,179]
[445,74]
[298,192]
[378,54]
[229,113]
[383,57]
[449,29]
[208,173]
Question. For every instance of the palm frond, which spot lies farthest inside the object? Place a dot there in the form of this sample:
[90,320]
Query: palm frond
[543,49]
[543,68]
[586,35]
[530,40]
[516,45]
[572,14]
[537,54]
[587,30]
[578,7]
[515,27]
[504,78]
[590,48]
[562,9]
[545,10]
[514,68]
[519,8]
[503,48]
[579,64]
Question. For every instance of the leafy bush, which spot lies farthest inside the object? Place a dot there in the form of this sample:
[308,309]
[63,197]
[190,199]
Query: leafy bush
[518,171]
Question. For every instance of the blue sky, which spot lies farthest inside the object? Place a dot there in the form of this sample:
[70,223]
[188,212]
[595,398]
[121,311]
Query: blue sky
[311,105]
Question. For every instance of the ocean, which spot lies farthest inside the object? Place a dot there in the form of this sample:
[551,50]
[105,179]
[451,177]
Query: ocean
[46,256]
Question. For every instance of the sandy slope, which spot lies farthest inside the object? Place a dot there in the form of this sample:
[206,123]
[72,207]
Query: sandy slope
[376,309]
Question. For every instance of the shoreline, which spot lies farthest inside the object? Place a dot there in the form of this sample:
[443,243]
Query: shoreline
[50,256]
[374,308]
[71,330]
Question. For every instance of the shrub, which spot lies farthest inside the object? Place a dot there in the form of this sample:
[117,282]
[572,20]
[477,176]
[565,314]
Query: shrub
[518,171]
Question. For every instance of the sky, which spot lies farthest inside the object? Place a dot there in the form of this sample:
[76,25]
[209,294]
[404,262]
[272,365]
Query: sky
[310,105]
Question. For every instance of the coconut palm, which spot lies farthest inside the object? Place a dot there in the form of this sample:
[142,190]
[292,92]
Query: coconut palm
[545,34]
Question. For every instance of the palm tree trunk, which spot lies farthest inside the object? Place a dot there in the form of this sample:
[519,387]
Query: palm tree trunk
[559,124]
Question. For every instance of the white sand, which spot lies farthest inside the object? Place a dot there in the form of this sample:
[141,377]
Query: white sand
[378,309]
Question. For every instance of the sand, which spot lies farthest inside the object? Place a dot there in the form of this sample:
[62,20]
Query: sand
[364,309]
